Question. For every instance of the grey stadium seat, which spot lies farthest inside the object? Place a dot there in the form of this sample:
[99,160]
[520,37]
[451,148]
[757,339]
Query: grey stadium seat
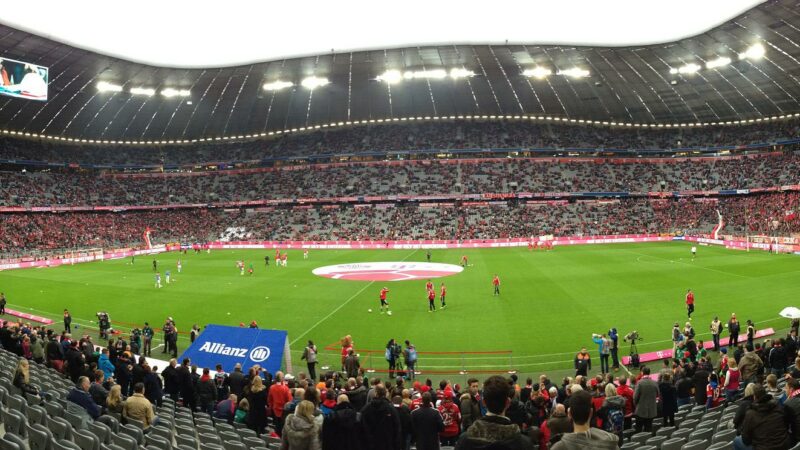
[695,445]
[673,444]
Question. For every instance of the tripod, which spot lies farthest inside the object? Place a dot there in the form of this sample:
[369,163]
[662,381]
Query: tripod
[634,352]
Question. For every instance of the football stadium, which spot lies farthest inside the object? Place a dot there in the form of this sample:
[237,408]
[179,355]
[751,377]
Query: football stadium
[480,234]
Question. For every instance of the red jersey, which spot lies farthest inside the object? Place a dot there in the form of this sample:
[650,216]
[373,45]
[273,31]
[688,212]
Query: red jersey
[277,254]
[383,293]
[690,298]
[451,417]
[431,295]
[428,286]
[496,281]
[444,291]
[283,258]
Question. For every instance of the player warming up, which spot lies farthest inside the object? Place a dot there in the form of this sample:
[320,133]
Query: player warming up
[431,300]
[180,266]
[442,295]
[694,252]
[689,303]
[464,261]
[496,284]
[384,302]
[158,280]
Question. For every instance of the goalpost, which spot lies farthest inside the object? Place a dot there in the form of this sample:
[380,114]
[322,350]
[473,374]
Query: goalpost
[85,254]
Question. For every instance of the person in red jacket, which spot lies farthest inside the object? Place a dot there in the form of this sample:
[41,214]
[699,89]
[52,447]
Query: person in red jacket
[496,284]
[625,391]
[278,397]
[451,416]
[689,303]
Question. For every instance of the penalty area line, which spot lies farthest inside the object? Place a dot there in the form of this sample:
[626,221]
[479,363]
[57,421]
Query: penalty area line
[340,307]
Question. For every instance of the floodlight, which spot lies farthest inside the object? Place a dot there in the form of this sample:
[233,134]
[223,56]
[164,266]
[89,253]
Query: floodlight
[143,91]
[538,72]
[575,72]
[314,82]
[688,69]
[719,62]
[105,86]
[277,85]
[170,92]
[754,53]
[391,76]
[458,72]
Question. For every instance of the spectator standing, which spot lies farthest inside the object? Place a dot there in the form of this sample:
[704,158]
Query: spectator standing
[494,430]
[732,377]
[614,336]
[236,381]
[584,436]
[733,329]
[791,408]
[583,363]
[206,392]
[351,364]
[67,321]
[645,397]
[278,397]
[410,356]
[427,423]
[716,330]
[153,386]
[258,404]
[310,355]
[341,429]
[171,381]
[147,336]
[669,400]
[381,423]
[764,425]
[451,419]
[604,349]
[612,413]
[470,404]
[301,431]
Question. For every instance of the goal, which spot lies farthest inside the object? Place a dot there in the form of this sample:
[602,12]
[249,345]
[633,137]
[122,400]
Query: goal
[84,255]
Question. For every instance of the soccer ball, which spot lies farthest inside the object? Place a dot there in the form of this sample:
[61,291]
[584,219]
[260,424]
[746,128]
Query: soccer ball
[389,313]
[369,310]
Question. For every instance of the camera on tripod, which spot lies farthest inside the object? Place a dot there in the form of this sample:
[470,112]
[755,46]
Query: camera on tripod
[633,336]
[104,324]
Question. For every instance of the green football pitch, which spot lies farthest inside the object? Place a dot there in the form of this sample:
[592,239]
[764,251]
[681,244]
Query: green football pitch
[550,304]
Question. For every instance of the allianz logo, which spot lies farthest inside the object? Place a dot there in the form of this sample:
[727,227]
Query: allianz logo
[257,354]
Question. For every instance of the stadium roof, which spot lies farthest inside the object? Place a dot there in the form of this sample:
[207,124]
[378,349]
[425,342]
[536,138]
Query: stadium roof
[203,34]
[717,76]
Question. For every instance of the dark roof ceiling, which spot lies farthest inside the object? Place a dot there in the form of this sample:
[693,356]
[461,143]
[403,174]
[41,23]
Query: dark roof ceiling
[626,85]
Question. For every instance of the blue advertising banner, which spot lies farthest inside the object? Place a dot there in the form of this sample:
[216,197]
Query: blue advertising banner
[219,344]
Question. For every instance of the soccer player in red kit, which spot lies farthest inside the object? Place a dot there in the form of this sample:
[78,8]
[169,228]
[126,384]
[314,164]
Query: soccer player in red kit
[689,303]
[442,295]
[384,303]
[464,261]
[496,284]
[428,285]
[431,299]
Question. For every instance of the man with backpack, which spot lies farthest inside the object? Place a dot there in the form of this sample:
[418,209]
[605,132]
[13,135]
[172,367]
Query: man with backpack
[410,355]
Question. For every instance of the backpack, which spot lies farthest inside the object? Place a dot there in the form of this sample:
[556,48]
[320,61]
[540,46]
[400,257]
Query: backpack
[412,354]
[615,422]
[388,354]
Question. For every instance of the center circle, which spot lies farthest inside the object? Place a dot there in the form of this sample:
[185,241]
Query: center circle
[387,271]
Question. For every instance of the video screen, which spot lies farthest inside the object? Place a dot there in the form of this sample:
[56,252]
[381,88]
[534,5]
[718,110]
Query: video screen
[23,80]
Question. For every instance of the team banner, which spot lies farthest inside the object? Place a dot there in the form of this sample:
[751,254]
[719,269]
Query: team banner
[219,344]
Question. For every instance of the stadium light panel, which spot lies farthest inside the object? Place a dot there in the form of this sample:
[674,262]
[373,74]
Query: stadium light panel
[754,53]
[105,86]
[170,92]
[421,74]
[277,85]
[391,77]
[688,69]
[458,72]
[312,83]
[719,62]
[538,72]
[143,91]
[575,72]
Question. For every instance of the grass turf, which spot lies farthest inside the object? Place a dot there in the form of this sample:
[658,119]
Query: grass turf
[551,302]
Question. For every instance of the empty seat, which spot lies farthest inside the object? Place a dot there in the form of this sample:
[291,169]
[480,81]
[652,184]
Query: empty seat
[701,434]
[253,442]
[16,440]
[15,422]
[666,431]
[54,409]
[234,445]
[102,431]
[208,438]
[647,447]
[695,445]
[688,423]
[723,436]
[721,446]
[112,423]
[62,430]
[673,444]
[8,444]
[124,441]
[683,433]
[229,436]
[134,432]
[86,440]
[629,446]
[39,437]
[17,403]
[37,414]
[210,446]
[640,438]
[76,420]
[185,440]
[157,442]
[656,440]
[246,432]
[65,445]
[160,431]
[135,422]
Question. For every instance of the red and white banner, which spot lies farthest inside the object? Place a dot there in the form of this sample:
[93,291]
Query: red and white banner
[55,262]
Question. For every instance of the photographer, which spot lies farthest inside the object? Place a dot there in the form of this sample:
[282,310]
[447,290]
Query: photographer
[604,348]
[104,323]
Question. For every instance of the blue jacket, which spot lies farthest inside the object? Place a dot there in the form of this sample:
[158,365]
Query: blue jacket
[106,366]
[599,341]
[84,400]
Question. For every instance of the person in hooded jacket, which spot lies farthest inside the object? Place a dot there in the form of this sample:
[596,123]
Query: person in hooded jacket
[341,430]
[427,423]
[612,411]
[300,430]
[381,423]
[764,425]
[206,392]
[583,436]
[494,430]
